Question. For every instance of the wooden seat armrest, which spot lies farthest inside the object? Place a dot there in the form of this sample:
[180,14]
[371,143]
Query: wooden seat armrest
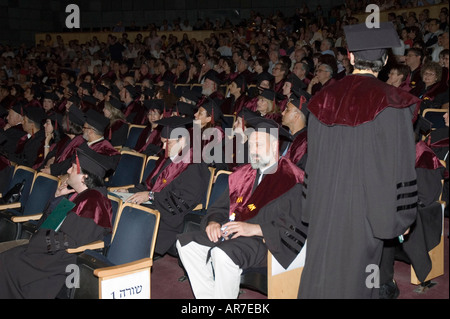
[112,189]
[99,244]
[10,206]
[22,219]
[124,268]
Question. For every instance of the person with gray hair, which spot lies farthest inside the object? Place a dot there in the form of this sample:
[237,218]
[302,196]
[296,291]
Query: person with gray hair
[323,77]
[260,210]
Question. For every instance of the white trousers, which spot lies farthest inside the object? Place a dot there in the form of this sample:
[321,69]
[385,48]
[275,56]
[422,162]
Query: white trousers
[219,278]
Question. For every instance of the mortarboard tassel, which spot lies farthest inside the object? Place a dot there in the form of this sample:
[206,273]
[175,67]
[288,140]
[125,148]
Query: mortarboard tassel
[212,116]
[78,163]
[166,150]
[56,125]
[242,119]
[110,133]
[302,100]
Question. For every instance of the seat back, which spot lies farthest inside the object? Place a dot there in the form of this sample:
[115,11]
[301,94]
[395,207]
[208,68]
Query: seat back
[22,173]
[149,166]
[435,116]
[219,186]
[134,131]
[129,170]
[134,236]
[116,203]
[43,188]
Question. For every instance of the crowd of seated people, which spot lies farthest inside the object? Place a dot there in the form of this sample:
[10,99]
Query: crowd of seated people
[56,97]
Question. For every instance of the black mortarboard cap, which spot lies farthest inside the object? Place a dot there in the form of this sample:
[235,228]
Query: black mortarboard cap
[76,115]
[96,120]
[50,95]
[19,108]
[148,92]
[184,108]
[74,99]
[87,86]
[213,76]
[262,124]
[371,43]
[92,161]
[92,101]
[268,94]
[131,89]
[116,103]
[170,123]
[295,81]
[264,76]
[56,118]
[241,83]
[170,88]
[213,109]
[35,114]
[155,104]
[72,87]
[191,95]
[102,89]
[422,126]
[300,102]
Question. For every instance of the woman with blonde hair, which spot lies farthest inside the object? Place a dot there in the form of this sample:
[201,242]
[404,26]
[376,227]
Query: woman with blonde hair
[117,130]
[267,105]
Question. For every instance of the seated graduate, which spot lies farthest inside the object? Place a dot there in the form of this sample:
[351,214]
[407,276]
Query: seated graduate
[117,130]
[292,83]
[238,96]
[267,105]
[294,117]
[72,124]
[184,109]
[38,269]
[30,149]
[94,128]
[265,199]
[13,131]
[236,145]
[55,140]
[176,185]
[149,141]
[10,135]
[209,117]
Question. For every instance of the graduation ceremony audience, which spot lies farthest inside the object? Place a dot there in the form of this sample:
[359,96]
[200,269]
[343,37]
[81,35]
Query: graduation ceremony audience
[63,101]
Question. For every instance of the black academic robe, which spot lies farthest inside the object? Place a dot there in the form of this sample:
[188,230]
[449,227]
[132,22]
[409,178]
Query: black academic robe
[175,200]
[31,151]
[63,161]
[38,270]
[298,149]
[9,138]
[102,147]
[117,133]
[360,185]
[284,233]
[149,141]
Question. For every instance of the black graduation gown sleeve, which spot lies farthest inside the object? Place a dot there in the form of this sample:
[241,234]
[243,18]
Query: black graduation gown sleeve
[176,200]
[38,269]
[30,153]
[9,139]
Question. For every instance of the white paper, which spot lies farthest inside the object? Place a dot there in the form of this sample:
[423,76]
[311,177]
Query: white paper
[298,262]
[132,286]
